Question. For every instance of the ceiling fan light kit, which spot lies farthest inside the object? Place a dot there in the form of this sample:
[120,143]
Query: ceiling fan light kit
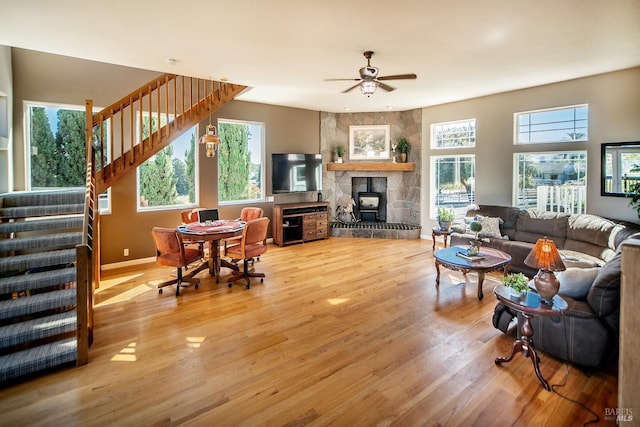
[369,80]
[368,88]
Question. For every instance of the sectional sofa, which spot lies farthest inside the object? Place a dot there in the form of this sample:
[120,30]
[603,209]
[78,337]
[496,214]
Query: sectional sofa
[590,245]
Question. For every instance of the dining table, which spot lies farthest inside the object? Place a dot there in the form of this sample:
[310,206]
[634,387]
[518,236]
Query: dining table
[212,232]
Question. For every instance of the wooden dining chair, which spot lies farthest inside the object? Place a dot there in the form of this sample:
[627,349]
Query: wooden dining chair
[252,244]
[171,251]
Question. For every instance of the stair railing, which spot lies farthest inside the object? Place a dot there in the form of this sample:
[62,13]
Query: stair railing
[164,108]
[114,149]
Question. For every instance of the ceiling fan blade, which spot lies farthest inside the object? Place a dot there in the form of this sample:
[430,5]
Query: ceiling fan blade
[341,80]
[351,88]
[386,87]
[398,77]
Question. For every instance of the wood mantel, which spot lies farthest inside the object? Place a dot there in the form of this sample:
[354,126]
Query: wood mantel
[372,166]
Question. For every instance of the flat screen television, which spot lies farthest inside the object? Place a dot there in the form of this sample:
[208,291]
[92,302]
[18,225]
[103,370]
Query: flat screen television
[296,173]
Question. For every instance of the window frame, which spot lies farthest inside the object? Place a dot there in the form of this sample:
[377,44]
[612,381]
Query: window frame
[434,190]
[471,138]
[516,178]
[104,199]
[575,120]
[263,145]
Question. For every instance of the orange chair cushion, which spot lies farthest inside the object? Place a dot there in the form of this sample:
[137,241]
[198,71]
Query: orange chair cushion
[250,251]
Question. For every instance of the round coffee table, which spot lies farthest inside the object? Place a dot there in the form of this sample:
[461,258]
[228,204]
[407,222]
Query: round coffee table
[529,305]
[489,260]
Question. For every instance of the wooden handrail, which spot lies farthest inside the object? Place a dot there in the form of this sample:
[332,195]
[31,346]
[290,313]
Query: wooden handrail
[134,96]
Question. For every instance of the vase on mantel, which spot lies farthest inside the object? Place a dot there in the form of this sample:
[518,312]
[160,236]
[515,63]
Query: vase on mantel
[338,159]
[403,157]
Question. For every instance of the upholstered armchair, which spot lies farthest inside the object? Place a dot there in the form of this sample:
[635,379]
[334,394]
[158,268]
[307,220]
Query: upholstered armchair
[252,244]
[171,251]
[246,214]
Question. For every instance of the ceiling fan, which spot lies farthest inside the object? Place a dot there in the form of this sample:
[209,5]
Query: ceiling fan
[369,80]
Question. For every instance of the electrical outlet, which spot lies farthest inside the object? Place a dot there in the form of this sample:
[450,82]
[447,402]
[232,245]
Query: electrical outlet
[269,198]
[126,252]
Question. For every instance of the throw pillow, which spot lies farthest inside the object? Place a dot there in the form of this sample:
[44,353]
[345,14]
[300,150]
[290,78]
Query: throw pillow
[490,226]
[576,282]
[604,296]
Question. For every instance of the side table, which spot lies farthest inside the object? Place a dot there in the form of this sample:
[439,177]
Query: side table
[529,305]
[437,231]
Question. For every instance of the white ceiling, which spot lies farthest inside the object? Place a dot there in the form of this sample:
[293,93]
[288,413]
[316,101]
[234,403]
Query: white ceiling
[284,49]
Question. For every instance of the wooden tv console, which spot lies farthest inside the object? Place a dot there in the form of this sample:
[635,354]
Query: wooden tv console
[300,222]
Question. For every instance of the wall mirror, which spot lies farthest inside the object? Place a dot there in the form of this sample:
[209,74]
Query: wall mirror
[620,167]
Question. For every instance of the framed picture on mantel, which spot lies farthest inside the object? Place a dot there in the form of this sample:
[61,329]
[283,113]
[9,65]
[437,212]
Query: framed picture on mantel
[369,142]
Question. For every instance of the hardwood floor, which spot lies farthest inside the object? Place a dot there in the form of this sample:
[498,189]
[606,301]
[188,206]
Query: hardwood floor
[345,332]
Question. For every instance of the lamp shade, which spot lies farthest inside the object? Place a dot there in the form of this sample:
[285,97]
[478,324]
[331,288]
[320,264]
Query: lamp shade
[545,256]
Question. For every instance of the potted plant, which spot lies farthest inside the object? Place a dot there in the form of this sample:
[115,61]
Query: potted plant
[475,243]
[403,147]
[445,218]
[518,283]
[339,153]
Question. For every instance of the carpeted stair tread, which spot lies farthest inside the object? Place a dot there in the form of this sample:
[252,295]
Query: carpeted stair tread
[42,242]
[36,329]
[40,210]
[38,295]
[38,358]
[65,223]
[38,303]
[39,260]
[48,197]
[34,281]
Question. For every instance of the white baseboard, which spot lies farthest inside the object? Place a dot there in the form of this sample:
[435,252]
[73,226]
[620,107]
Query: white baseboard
[138,261]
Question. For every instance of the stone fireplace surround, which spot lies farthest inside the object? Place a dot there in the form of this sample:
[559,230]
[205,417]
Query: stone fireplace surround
[403,188]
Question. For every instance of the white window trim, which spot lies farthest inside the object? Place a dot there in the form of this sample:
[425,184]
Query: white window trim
[433,136]
[263,149]
[565,107]
[515,189]
[27,141]
[433,190]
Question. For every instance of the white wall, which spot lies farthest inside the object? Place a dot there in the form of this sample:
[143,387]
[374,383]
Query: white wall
[614,115]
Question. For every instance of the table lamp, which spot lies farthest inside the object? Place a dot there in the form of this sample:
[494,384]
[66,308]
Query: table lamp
[546,258]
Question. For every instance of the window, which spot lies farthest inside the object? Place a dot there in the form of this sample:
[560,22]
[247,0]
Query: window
[56,148]
[240,160]
[563,124]
[168,179]
[453,182]
[454,134]
[553,181]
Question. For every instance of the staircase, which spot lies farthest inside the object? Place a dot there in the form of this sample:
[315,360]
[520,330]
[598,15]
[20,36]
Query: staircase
[49,241]
[176,102]
[38,301]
